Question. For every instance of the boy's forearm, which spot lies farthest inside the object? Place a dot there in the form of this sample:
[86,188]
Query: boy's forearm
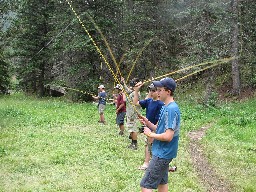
[151,125]
[166,136]
[136,98]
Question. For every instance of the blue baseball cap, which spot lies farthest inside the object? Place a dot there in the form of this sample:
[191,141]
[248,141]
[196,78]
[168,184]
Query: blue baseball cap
[151,87]
[165,82]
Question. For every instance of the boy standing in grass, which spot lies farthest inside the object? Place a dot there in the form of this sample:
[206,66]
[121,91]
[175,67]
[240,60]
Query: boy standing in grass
[131,113]
[120,108]
[166,137]
[153,106]
[102,95]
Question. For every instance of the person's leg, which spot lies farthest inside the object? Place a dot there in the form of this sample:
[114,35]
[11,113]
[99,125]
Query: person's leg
[134,144]
[146,190]
[148,149]
[121,127]
[102,119]
[134,136]
[134,139]
[102,108]
[144,166]
[163,188]
[153,175]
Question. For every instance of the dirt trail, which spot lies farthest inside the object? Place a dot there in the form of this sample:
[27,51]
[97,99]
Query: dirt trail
[208,176]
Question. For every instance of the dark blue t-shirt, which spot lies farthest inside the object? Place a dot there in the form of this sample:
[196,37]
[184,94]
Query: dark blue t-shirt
[102,98]
[152,109]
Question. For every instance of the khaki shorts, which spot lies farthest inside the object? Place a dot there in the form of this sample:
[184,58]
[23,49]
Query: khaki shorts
[132,125]
[101,108]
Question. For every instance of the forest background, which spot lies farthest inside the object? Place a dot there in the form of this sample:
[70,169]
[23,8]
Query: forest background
[207,46]
[43,43]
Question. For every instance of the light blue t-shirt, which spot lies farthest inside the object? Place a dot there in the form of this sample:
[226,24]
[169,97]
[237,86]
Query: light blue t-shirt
[169,119]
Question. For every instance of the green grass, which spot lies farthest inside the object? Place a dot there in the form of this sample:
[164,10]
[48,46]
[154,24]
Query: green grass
[53,145]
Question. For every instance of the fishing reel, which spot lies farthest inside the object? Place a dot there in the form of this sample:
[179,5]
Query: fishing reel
[134,81]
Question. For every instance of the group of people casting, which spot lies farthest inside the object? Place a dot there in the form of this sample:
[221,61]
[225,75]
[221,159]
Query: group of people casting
[161,125]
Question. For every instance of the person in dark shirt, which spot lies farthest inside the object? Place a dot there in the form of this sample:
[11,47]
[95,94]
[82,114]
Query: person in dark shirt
[120,108]
[102,95]
[153,106]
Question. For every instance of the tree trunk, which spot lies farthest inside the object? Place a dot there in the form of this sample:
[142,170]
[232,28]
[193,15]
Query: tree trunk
[234,49]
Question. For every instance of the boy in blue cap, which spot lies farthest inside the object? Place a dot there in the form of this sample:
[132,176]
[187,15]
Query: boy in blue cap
[153,106]
[166,137]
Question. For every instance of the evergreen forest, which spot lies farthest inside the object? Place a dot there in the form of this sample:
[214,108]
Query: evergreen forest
[78,45]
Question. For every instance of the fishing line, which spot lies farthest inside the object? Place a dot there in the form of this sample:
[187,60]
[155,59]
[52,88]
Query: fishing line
[143,48]
[106,43]
[136,59]
[99,51]
[94,43]
[53,38]
[48,43]
[112,72]
[84,92]
[225,60]
[198,71]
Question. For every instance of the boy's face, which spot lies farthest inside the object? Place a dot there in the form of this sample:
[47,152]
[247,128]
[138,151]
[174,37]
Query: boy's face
[153,94]
[118,91]
[162,93]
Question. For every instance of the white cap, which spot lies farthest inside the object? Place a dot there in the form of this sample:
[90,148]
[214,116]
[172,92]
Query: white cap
[101,87]
[118,86]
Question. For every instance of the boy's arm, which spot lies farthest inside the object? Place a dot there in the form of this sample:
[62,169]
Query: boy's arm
[120,107]
[166,136]
[124,98]
[95,97]
[127,89]
[147,123]
[136,93]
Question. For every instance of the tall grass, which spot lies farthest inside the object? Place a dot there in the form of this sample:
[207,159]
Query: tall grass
[54,145]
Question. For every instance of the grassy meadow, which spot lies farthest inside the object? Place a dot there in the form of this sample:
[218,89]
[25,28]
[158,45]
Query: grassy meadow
[54,145]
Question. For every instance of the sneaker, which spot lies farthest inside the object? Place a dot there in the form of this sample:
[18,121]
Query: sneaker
[104,122]
[172,169]
[133,147]
[143,167]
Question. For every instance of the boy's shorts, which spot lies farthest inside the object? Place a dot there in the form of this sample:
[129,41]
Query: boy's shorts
[156,173]
[101,108]
[132,125]
[120,118]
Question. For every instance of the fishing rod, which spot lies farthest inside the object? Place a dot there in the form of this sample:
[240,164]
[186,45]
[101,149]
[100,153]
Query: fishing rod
[114,75]
[140,53]
[136,59]
[99,51]
[94,43]
[190,74]
[179,79]
[83,92]
[106,43]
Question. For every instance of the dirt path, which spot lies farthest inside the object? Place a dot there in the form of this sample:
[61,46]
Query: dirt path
[208,176]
